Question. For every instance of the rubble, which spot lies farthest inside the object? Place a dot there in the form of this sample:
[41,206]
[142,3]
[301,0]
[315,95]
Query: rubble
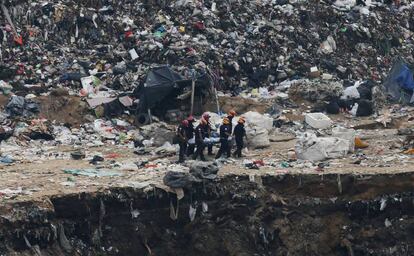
[91,93]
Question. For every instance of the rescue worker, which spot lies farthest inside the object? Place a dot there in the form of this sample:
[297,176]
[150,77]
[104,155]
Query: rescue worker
[225,133]
[190,135]
[207,132]
[230,116]
[182,140]
[239,134]
[199,134]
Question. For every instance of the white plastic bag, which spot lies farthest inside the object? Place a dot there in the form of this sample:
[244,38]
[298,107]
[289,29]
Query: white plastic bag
[312,148]
[346,134]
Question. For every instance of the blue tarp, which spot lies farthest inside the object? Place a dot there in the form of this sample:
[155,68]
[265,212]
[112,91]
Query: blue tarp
[400,83]
[405,78]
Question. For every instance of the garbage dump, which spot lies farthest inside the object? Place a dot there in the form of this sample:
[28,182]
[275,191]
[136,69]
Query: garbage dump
[137,127]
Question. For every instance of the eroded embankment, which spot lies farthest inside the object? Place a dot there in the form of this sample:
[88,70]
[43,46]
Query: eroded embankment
[236,215]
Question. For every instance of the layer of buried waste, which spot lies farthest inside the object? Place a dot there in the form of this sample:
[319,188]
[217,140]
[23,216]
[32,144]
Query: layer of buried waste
[293,214]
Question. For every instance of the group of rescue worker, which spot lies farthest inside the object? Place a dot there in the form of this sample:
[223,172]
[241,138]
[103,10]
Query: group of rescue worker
[186,132]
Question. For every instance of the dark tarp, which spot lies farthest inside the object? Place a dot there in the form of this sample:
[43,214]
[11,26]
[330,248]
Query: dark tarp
[399,83]
[163,85]
[159,83]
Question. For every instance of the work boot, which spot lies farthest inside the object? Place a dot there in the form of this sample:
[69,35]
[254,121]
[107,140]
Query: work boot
[359,144]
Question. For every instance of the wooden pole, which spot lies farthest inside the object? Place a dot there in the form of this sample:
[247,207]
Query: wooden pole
[149,115]
[214,90]
[217,100]
[192,95]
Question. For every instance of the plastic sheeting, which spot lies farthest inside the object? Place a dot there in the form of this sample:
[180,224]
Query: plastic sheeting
[19,106]
[160,82]
[399,83]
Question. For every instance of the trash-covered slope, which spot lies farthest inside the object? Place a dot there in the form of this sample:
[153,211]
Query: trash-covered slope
[243,42]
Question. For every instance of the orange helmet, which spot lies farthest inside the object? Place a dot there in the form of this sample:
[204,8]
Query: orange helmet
[206,116]
[232,113]
[190,119]
[226,120]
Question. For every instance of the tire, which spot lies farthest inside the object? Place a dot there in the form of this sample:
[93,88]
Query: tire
[142,119]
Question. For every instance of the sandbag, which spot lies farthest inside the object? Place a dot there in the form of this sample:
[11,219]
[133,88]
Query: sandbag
[257,129]
[258,138]
[258,121]
[346,134]
[312,148]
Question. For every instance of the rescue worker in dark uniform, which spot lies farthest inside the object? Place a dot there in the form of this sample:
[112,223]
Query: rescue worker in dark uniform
[239,134]
[230,116]
[182,140]
[207,132]
[199,134]
[190,135]
[225,133]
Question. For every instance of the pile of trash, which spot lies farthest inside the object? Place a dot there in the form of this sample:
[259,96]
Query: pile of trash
[198,172]
[242,43]
[132,57]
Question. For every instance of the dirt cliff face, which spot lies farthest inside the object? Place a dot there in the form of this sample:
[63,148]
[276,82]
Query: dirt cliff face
[237,215]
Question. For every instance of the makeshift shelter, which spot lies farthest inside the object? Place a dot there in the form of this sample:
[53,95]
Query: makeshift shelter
[163,85]
[400,83]
[160,82]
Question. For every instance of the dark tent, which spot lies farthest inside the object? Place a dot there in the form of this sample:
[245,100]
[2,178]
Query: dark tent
[399,83]
[159,83]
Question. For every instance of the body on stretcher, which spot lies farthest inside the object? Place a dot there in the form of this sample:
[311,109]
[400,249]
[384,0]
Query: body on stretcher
[207,141]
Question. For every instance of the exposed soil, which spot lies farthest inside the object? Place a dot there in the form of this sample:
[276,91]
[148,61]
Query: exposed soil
[239,104]
[66,109]
[268,215]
